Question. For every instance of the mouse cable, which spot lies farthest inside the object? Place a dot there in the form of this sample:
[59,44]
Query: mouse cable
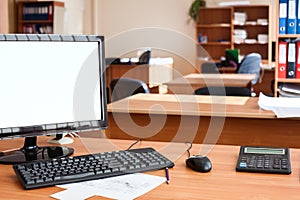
[137,141]
[189,148]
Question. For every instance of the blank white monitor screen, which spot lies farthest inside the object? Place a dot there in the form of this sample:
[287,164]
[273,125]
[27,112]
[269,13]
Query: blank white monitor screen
[44,82]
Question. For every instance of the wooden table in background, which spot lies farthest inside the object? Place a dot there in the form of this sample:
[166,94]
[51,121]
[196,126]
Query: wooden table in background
[140,72]
[152,74]
[189,83]
[222,182]
[189,117]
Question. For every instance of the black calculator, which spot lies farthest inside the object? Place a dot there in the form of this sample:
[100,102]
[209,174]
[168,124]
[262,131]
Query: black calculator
[264,160]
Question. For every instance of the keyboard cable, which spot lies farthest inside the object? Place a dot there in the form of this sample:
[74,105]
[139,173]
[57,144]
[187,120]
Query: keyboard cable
[137,141]
[189,148]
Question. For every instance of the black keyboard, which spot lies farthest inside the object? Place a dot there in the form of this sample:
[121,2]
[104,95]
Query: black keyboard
[44,173]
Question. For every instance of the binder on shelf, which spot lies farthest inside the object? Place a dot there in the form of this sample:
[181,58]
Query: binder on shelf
[291,18]
[50,12]
[282,16]
[298,17]
[297,71]
[37,29]
[37,12]
[282,61]
[291,60]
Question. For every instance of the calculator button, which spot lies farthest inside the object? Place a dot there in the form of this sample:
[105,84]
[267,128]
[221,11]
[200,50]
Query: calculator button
[284,167]
[283,161]
[244,159]
[251,166]
[276,166]
[243,164]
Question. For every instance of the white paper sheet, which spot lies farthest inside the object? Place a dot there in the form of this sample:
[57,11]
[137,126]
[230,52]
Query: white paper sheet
[124,187]
[283,107]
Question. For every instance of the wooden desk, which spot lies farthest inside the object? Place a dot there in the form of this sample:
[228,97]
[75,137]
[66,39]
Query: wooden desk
[222,182]
[264,84]
[189,83]
[240,120]
[140,72]
[152,74]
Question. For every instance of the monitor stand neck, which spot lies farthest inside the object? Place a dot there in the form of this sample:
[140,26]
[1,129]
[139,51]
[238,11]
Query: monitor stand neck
[30,152]
[30,144]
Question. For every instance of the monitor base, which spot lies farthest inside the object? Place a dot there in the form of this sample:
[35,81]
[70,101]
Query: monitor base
[61,139]
[31,152]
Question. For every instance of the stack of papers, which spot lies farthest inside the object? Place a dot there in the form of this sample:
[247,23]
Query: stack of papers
[289,90]
[125,187]
[239,35]
[240,18]
[250,41]
[262,38]
[263,22]
[283,107]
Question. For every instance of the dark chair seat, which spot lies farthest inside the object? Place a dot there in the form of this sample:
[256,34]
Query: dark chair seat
[125,87]
[223,91]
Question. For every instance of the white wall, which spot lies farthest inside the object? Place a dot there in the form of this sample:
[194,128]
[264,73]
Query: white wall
[131,24]
[120,21]
[74,16]
[4,28]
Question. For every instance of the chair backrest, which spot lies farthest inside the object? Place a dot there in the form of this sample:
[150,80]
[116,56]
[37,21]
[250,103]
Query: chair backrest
[145,58]
[251,65]
[125,87]
[209,68]
[224,91]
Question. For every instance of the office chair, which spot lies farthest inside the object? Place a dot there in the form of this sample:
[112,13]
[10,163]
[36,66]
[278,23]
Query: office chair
[144,58]
[112,60]
[125,87]
[209,68]
[223,91]
[250,65]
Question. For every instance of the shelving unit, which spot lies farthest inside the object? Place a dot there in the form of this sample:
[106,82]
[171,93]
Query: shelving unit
[217,23]
[254,13]
[278,38]
[40,17]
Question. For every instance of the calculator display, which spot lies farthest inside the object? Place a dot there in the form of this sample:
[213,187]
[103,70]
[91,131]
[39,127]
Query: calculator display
[277,151]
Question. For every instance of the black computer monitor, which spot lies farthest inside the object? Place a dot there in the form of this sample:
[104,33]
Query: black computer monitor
[49,84]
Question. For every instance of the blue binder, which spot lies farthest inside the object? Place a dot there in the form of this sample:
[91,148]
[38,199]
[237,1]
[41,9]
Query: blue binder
[291,19]
[298,17]
[282,16]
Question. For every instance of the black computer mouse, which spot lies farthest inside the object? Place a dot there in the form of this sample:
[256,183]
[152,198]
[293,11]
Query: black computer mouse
[199,163]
